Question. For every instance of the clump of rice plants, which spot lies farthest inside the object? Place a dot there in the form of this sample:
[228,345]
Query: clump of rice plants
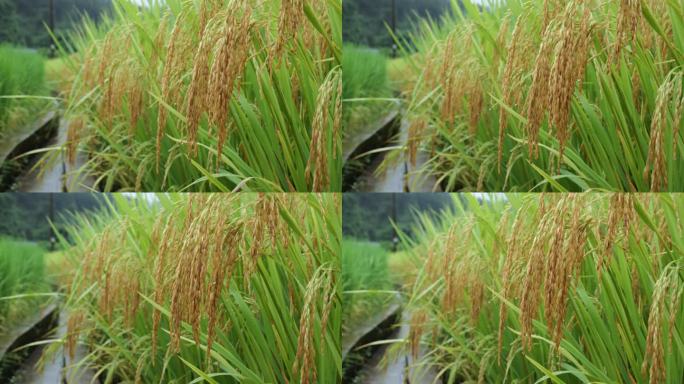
[22,75]
[22,274]
[365,280]
[568,288]
[209,95]
[550,95]
[225,288]
[366,88]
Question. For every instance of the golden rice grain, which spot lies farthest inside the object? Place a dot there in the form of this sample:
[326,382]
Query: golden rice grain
[290,22]
[317,166]
[173,56]
[304,365]
[228,65]
[416,329]
[75,325]
[628,21]
[513,250]
[655,170]
[573,44]
[197,91]
[507,85]
[415,136]
[537,99]
[534,273]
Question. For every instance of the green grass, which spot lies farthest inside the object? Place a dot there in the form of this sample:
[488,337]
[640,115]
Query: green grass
[56,74]
[623,119]
[264,266]
[366,88]
[399,73]
[365,281]
[570,285]
[21,75]
[401,268]
[22,272]
[276,129]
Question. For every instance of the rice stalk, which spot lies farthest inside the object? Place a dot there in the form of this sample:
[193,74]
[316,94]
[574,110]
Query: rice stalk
[166,283]
[578,288]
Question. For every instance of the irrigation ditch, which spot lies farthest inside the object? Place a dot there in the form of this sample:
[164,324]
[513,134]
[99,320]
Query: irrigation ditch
[28,331]
[21,351]
[369,361]
[365,153]
[20,154]
[13,159]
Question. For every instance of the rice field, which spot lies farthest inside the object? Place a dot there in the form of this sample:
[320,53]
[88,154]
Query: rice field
[366,281]
[220,288]
[562,288]
[22,76]
[22,280]
[262,97]
[366,88]
[549,96]
[208,96]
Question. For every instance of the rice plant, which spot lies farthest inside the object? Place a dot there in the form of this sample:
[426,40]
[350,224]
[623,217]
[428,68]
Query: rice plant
[208,95]
[366,89]
[556,95]
[366,281]
[222,288]
[561,288]
[22,75]
[22,275]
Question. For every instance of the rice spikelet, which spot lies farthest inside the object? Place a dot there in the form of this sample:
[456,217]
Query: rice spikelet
[304,366]
[539,93]
[628,21]
[197,92]
[290,21]
[656,170]
[317,167]
[507,86]
[573,45]
[167,79]
[228,65]
[666,290]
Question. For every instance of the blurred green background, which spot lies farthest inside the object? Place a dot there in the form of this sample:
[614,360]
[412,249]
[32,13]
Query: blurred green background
[364,20]
[368,216]
[25,215]
[23,22]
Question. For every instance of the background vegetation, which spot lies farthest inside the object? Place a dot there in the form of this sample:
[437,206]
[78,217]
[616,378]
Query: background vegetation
[364,21]
[22,273]
[22,73]
[25,215]
[367,216]
[365,77]
[23,22]
[364,269]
